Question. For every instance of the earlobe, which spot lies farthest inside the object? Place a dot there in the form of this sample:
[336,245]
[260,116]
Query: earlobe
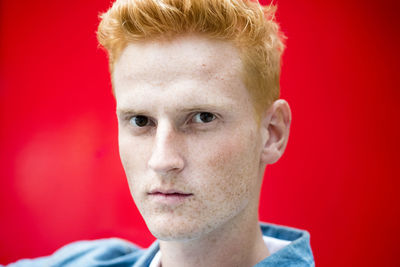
[275,127]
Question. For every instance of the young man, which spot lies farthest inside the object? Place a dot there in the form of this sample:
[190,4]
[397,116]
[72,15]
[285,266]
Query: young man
[197,87]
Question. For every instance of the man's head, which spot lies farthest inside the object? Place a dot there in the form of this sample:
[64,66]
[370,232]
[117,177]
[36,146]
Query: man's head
[192,143]
[248,25]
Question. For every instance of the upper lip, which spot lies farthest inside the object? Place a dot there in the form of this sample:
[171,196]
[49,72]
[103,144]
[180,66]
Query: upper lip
[168,191]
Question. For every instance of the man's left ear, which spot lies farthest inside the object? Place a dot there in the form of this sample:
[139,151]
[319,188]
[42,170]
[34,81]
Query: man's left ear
[275,131]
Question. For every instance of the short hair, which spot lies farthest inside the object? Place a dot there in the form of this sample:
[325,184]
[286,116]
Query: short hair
[249,25]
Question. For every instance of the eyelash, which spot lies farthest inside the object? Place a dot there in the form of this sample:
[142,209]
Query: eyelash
[150,122]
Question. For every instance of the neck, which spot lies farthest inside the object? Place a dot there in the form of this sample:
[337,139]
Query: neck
[236,243]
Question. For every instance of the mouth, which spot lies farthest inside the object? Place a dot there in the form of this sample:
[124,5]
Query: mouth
[169,197]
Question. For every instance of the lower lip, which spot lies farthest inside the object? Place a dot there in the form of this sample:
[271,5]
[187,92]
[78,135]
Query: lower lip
[170,199]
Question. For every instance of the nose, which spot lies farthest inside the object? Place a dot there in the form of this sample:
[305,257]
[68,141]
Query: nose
[166,155]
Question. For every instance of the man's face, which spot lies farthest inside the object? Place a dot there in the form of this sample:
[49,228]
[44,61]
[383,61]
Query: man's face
[188,138]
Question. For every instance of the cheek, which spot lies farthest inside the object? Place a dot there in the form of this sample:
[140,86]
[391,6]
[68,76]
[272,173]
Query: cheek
[230,168]
[236,153]
[132,152]
[124,151]
[133,158]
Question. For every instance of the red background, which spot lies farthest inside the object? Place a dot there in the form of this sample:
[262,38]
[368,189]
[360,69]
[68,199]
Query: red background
[61,178]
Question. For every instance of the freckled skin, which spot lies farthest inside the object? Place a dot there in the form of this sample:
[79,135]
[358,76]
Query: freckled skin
[217,162]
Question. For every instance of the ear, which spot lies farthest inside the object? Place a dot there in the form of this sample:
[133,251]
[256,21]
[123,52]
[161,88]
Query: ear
[275,126]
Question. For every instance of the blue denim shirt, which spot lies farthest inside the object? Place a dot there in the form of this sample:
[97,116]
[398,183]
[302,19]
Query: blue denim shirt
[119,253]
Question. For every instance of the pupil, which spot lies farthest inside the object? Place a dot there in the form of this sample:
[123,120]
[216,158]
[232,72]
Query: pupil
[141,121]
[206,117]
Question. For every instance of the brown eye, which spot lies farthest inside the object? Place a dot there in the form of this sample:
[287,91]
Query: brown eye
[139,121]
[204,117]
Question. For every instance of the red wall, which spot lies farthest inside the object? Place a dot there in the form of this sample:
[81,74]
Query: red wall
[61,179]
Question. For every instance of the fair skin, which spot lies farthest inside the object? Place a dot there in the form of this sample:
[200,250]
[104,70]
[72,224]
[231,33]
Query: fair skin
[192,150]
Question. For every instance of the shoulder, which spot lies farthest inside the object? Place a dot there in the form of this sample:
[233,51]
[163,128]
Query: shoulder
[101,252]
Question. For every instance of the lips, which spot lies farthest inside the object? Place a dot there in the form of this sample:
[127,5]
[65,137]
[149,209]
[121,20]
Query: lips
[169,196]
[168,192]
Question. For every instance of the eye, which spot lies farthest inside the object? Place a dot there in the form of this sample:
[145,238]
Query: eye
[203,117]
[139,121]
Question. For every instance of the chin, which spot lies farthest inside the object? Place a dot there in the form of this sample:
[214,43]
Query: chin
[175,230]
[174,236]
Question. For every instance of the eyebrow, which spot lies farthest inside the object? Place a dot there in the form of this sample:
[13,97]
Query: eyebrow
[202,107]
[129,111]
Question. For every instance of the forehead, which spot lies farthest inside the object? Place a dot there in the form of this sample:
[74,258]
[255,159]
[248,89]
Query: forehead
[191,66]
[183,54]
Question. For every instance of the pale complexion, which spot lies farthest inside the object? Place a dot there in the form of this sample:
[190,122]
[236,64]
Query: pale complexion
[192,150]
